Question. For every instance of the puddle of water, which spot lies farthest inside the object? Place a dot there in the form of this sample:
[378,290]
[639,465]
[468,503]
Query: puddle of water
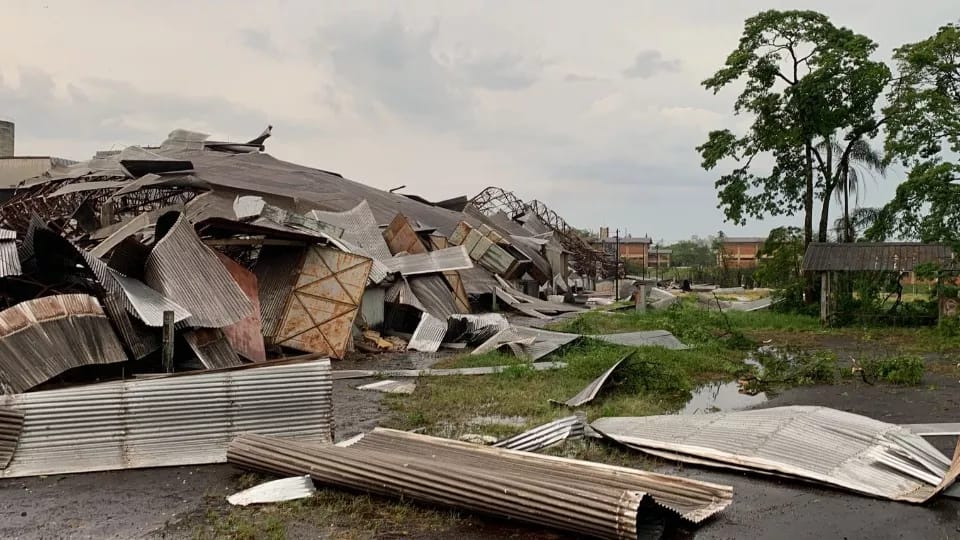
[723,396]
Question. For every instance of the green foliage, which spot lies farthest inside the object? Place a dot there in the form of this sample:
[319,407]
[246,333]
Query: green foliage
[906,370]
[923,132]
[694,252]
[780,257]
[804,81]
[799,368]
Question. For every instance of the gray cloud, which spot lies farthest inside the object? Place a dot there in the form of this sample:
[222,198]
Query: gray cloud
[260,41]
[502,72]
[650,62]
[579,77]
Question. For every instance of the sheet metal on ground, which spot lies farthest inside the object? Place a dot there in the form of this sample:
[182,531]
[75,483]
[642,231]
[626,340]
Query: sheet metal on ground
[588,498]
[284,489]
[531,343]
[44,337]
[590,391]
[320,311]
[11,425]
[646,338]
[183,419]
[812,443]
[429,334]
[433,372]
[187,272]
[544,436]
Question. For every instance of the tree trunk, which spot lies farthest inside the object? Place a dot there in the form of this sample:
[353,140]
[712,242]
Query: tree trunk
[825,214]
[847,231]
[808,195]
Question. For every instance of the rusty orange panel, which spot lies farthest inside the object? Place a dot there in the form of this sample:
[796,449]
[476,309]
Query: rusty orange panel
[325,301]
[245,335]
[401,237]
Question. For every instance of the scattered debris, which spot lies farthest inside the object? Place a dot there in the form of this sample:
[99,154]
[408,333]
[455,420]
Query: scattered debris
[590,391]
[476,438]
[587,498]
[180,419]
[11,425]
[546,435]
[530,343]
[429,334]
[810,443]
[285,489]
[391,387]
[490,370]
[646,338]
[473,329]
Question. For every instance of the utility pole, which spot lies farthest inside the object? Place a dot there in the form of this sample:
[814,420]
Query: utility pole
[616,271]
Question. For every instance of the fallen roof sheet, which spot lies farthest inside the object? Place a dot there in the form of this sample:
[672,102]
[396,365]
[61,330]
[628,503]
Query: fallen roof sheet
[531,343]
[189,273]
[453,258]
[245,335]
[147,304]
[934,430]
[475,328]
[428,335]
[645,338]
[359,228]
[44,337]
[285,489]
[276,271]
[434,372]
[181,419]
[812,443]
[433,292]
[390,387]
[211,347]
[545,436]
[11,425]
[594,499]
[9,257]
[590,391]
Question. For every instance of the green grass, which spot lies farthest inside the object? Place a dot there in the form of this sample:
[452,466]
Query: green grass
[903,370]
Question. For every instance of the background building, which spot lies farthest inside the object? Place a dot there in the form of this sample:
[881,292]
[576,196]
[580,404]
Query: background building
[739,252]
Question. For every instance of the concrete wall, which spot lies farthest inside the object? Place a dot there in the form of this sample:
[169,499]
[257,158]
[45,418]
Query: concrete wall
[15,170]
[6,139]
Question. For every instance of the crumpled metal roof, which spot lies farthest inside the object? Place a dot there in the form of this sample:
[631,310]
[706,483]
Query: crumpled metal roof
[531,343]
[44,337]
[546,435]
[474,328]
[9,256]
[434,293]
[590,391]
[644,338]
[187,272]
[453,258]
[284,489]
[360,228]
[819,444]
[181,419]
[211,347]
[593,499]
[428,335]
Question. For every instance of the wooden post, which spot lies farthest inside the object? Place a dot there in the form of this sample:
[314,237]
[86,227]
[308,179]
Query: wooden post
[642,298]
[825,298]
[168,341]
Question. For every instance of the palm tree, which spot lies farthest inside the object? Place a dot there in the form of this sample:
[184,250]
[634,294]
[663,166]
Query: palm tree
[860,219]
[861,161]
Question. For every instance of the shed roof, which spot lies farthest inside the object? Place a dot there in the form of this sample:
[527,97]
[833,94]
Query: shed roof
[873,256]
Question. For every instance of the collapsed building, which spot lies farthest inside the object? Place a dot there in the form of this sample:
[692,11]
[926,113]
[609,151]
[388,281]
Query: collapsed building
[242,257]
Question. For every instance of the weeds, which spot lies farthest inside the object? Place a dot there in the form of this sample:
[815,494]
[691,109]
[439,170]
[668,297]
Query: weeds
[905,370]
[798,368]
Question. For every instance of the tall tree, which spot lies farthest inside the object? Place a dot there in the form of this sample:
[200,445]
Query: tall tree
[853,168]
[923,133]
[804,82]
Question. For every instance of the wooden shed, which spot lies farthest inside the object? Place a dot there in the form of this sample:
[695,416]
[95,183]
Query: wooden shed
[828,259]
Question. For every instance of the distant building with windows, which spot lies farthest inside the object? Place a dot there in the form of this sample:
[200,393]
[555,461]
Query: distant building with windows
[632,248]
[659,257]
[739,251]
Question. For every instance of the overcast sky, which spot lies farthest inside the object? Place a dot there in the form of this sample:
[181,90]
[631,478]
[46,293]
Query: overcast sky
[592,108]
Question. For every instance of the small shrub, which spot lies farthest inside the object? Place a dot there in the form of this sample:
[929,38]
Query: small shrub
[906,370]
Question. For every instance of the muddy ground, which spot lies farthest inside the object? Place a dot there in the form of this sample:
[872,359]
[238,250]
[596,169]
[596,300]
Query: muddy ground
[170,502]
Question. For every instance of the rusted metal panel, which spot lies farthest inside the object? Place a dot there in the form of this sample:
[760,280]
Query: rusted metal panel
[44,337]
[320,312]
[186,271]
[401,237]
[459,291]
[874,256]
[11,424]
[276,270]
[179,419]
[583,497]
[212,348]
[246,335]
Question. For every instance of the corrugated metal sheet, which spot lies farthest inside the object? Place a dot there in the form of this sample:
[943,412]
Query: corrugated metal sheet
[11,425]
[646,338]
[934,430]
[145,303]
[811,443]
[402,238]
[44,337]
[875,257]
[186,271]
[590,391]
[401,293]
[359,228]
[276,270]
[246,335]
[182,419]
[531,343]
[588,498]
[433,292]
[211,347]
[454,258]
[428,335]
[545,436]
[371,307]
[9,257]
[320,311]
[79,187]
[460,296]
[433,372]
[285,489]
[475,328]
